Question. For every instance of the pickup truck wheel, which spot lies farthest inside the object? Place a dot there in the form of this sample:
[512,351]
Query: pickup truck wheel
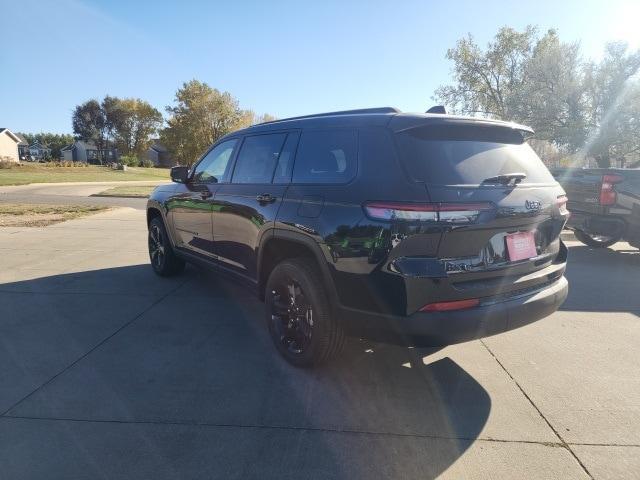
[596,241]
[299,316]
[163,259]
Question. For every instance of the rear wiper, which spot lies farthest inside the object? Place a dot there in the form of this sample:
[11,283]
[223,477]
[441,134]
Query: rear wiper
[506,178]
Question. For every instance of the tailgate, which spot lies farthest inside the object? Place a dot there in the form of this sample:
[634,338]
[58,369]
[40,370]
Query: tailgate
[492,166]
[479,249]
[583,189]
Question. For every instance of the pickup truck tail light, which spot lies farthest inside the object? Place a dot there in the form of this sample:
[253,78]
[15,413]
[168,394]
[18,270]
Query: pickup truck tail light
[608,194]
[426,212]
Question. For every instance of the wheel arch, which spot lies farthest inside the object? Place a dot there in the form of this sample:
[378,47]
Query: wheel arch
[156,209]
[153,212]
[279,245]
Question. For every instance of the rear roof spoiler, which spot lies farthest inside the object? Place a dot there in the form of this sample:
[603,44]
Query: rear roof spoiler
[403,122]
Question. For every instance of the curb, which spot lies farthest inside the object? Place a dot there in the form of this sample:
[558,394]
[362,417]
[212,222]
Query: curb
[118,196]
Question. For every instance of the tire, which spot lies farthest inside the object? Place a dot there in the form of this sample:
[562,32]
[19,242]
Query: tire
[298,314]
[163,259]
[595,241]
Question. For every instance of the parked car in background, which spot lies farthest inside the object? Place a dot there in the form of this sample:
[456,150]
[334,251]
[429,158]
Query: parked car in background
[604,204]
[427,229]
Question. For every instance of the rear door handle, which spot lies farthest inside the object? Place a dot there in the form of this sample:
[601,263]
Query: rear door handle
[265,198]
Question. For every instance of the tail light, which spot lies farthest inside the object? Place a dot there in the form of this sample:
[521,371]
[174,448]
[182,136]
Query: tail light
[608,194]
[426,212]
[449,306]
[562,204]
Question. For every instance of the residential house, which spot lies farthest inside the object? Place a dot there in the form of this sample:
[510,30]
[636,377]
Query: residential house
[37,151]
[23,147]
[159,155]
[81,151]
[9,145]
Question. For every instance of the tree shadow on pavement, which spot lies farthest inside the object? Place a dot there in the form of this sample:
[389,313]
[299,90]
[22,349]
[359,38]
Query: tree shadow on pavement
[119,373]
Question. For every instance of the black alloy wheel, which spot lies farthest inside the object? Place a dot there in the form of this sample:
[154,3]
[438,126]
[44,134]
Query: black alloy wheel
[163,259]
[299,315]
[292,317]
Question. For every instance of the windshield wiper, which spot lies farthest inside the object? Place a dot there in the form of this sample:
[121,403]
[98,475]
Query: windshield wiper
[506,178]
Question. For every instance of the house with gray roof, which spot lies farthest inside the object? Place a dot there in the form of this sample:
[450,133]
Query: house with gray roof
[159,155]
[23,147]
[81,151]
[38,151]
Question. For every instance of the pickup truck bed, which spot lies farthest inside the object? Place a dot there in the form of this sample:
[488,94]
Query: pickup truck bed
[604,204]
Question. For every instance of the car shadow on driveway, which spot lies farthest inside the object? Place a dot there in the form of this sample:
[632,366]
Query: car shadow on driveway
[116,371]
[603,280]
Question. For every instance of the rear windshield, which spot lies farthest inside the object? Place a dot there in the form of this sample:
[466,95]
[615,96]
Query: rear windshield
[463,155]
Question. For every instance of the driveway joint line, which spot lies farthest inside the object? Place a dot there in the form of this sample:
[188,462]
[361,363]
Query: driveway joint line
[563,443]
[119,294]
[280,427]
[92,349]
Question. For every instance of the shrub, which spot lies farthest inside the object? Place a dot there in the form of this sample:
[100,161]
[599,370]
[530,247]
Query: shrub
[129,160]
[64,164]
[6,163]
[145,162]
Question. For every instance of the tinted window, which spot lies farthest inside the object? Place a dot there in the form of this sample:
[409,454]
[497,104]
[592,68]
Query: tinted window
[285,162]
[326,156]
[214,166]
[257,158]
[459,155]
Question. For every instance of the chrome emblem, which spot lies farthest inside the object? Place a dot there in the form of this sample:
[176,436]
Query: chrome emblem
[532,204]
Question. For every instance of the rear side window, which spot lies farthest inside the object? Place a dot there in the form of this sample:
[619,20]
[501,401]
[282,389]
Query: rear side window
[258,158]
[326,156]
[467,155]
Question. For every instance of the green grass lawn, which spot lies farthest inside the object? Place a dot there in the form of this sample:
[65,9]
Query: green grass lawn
[128,191]
[19,215]
[42,173]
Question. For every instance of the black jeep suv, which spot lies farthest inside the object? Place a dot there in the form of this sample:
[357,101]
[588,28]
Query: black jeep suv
[423,228]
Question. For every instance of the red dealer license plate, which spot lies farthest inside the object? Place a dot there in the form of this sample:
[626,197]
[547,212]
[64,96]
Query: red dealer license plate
[521,246]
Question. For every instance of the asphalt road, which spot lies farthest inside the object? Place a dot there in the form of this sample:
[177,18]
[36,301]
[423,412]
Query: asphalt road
[111,372]
[77,193]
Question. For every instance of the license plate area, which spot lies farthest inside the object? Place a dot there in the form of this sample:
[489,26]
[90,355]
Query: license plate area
[521,246]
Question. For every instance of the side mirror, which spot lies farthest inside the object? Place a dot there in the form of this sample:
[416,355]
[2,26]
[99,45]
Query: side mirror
[179,174]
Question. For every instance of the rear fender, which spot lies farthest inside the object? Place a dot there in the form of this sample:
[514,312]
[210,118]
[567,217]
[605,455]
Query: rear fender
[319,252]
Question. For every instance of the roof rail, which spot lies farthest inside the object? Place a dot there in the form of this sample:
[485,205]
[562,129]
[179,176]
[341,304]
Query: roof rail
[342,112]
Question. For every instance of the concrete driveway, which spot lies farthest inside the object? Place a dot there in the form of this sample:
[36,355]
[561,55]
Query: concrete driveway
[108,371]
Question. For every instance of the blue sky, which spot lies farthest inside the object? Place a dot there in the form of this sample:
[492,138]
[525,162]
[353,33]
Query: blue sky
[281,57]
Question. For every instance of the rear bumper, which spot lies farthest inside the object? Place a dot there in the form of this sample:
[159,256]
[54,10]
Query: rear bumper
[597,224]
[444,328]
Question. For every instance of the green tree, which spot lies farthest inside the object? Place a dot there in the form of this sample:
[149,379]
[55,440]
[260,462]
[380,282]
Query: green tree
[112,115]
[200,116]
[265,117]
[613,95]
[89,123]
[489,82]
[131,122]
[127,124]
[589,108]
[552,98]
